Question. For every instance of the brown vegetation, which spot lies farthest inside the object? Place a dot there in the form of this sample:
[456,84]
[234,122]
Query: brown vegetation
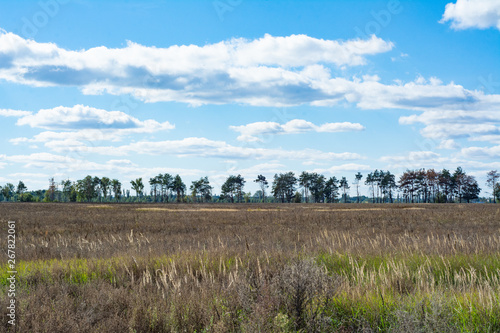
[250,268]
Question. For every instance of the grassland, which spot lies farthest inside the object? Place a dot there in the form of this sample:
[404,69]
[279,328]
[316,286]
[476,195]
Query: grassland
[251,268]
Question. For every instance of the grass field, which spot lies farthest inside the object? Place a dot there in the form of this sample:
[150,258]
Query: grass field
[251,268]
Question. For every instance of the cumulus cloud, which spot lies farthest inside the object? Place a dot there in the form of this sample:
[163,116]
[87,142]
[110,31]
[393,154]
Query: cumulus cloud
[59,164]
[464,14]
[13,113]
[348,167]
[448,144]
[86,117]
[237,70]
[268,71]
[412,158]
[199,147]
[476,125]
[482,152]
[73,125]
[254,131]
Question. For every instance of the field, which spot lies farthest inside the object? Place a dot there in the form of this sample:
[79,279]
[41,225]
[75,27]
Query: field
[251,268]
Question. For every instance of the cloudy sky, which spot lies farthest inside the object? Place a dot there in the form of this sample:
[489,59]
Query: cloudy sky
[129,89]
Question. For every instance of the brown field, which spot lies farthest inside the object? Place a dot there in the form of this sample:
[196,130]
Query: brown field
[255,267]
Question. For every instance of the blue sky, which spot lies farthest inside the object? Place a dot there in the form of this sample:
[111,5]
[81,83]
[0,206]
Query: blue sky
[129,89]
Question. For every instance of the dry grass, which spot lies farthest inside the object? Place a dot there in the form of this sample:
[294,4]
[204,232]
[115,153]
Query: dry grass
[250,268]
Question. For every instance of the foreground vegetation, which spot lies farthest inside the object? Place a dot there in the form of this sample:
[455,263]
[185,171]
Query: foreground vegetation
[251,268]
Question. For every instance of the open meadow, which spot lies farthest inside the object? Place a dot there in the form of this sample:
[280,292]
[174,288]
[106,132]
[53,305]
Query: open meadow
[254,267]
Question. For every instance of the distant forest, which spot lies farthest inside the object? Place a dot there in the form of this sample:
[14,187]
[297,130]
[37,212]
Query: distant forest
[413,186]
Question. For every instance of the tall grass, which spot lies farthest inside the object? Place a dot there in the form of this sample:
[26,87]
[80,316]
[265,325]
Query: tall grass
[261,268]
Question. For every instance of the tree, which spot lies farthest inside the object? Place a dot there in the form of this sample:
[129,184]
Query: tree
[370,180]
[201,188]
[496,192]
[50,194]
[239,184]
[331,190]
[284,186]
[470,188]
[8,191]
[305,179]
[388,185]
[137,186]
[21,188]
[433,183]
[69,191]
[105,185]
[178,187]
[458,181]
[166,184]
[263,183]
[154,182]
[117,188]
[228,189]
[317,186]
[358,177]
[87,188]
[344,185]
[492,181]
[446,184]
[233,186]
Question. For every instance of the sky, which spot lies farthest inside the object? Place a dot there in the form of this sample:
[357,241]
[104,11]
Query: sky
[128,89]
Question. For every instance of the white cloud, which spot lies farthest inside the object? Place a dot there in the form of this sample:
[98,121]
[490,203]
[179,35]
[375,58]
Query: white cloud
[199,147]
[78,124]
[237,70]
[269,71]
[448,144]
[13,113]
[60,165]
[477,125]
[254,131]
[481,14]
[349,167]
[412,157]
[482,152]
[86,117]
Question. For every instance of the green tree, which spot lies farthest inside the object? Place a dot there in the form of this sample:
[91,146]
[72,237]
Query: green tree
[492,181]
[458,181]
[263,183]
[50,194]
[87,188]
[331,190]
[233,187]
[21,188]
[317,187]
[178,187]
[117,188]
[69,191]
[344,185]
[446,184]
[370,181]
[357,180]
[166,184]
[470,188]
[305,180]
[155,183]
[283,187]
[201,190]
[105,185]
[388,185]
[137,186]
[8,191]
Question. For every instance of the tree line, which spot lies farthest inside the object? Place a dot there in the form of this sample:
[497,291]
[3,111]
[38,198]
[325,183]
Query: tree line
[413,186]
